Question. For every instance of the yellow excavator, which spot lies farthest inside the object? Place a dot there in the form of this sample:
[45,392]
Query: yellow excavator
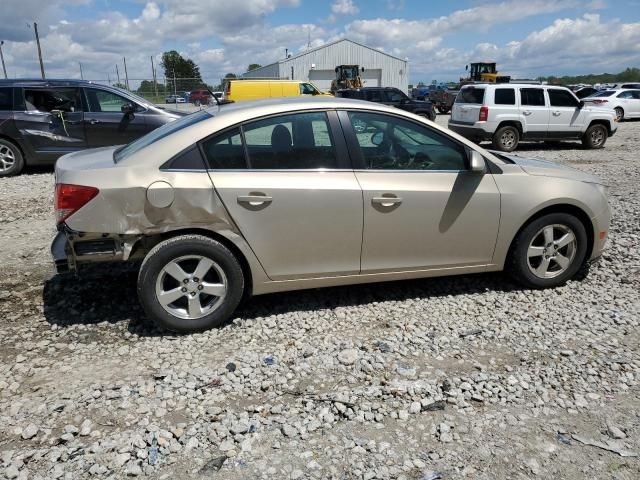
[484,72]
[347,76]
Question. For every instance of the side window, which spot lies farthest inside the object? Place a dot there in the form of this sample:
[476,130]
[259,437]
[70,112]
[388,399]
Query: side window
[103,101]
[392,143]
[297,141]
[307,89]
[48,99]
[635,94]
[225,151]
[505,96]
[532,96]
[561,98]
[624,95]
[394,95]
[373,95]
[190,159]
[6,98]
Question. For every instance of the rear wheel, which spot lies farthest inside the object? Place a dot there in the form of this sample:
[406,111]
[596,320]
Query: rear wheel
[506,139]
[549,251]
[443,110]
[190,283]
[595,136]
[619,114]
[11,159]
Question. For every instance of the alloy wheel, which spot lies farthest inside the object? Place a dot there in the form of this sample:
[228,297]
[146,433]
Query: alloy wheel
[552,251]
[597,137]
[191,287]
[7,158]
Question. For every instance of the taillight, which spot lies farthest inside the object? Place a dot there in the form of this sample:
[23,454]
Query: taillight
[71,198]
[484,114]
[600,101]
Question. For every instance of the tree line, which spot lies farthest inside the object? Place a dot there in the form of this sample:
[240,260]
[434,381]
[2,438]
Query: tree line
[630,74]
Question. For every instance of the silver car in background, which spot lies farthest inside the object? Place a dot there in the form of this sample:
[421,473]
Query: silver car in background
[278,195]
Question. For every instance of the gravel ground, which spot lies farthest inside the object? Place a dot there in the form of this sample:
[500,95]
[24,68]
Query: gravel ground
[464,377]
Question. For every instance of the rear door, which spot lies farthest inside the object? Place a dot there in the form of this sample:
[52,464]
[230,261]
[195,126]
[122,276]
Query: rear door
[466,109]
[534,113]
[105,124]
[294,196]
[634,103]
[50,120]
[567,118]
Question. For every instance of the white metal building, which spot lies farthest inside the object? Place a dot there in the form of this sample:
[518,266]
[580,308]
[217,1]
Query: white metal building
[318,66]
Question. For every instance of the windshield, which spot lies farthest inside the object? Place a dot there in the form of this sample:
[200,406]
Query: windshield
[158,134]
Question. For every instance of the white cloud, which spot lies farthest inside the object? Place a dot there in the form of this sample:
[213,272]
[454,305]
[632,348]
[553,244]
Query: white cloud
[344,7]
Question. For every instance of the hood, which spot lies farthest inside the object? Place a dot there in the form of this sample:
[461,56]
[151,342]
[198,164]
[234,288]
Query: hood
[545,168]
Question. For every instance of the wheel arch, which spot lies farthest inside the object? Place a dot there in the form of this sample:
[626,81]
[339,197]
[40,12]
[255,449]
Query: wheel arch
[600,121]
[16,143]
[511,123]
[574,210]
[149,241]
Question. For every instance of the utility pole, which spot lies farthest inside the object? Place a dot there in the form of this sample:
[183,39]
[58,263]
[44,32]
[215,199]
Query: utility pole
[35,27]
[4,68]
[155,83]
[81,74]
[175,88]
[126,76]
[118,74]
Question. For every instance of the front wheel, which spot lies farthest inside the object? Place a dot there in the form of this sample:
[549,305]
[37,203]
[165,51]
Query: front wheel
[595,136]
[190,283]
[506,139]
[11,159]
[549,251]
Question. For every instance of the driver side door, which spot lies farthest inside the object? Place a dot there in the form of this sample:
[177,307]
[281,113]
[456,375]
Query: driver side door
[423,209]
[106,125]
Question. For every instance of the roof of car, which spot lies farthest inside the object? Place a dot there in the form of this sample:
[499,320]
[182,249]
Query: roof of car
[57,82]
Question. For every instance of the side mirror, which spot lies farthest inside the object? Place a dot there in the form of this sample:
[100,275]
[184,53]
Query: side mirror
[128,108]
[581,104]
[476,162]
[336,69]
[363,69]
[377,138]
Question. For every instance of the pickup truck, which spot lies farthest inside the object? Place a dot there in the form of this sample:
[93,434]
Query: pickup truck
[390,96]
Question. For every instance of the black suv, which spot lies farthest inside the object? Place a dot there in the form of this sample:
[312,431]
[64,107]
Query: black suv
[41,120]
[391,96]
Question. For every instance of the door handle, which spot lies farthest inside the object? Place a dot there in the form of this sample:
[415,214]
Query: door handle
[93,121]
[386,201]
[556,113]
[255,200]
[527,112]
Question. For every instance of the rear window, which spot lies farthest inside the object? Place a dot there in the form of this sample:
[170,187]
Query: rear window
[505,96]
[6,98]
[471,95]
[159,133]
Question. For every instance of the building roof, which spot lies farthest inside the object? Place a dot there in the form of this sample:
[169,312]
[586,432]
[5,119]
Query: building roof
[306,52]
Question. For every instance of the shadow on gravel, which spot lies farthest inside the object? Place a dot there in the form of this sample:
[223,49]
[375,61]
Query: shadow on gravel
[99,295]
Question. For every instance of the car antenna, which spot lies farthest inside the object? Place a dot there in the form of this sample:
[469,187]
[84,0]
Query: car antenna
[218,102]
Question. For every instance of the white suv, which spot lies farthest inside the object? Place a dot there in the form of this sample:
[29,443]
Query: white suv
[506,113]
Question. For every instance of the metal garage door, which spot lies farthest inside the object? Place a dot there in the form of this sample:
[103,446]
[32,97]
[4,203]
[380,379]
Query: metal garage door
[322,78]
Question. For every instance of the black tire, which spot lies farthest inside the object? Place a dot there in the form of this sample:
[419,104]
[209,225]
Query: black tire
[152,274]
[619,113]
[520,264]
[11,159]
[506,139]
[443,110]
[595,136]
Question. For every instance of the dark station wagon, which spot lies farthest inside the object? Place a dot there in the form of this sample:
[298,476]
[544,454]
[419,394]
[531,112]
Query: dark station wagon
[41,120]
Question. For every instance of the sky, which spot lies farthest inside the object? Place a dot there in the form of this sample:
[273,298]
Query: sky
[528,38]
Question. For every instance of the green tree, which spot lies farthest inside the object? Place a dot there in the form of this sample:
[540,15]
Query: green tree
[253,66]
[148,89]
[184,70]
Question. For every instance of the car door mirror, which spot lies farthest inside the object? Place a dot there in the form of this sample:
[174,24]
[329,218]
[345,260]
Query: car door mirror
[581,104]
[128,108]
[377,138]
[476,162]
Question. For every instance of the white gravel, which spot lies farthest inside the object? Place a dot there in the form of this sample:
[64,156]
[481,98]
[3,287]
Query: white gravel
[463,377]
